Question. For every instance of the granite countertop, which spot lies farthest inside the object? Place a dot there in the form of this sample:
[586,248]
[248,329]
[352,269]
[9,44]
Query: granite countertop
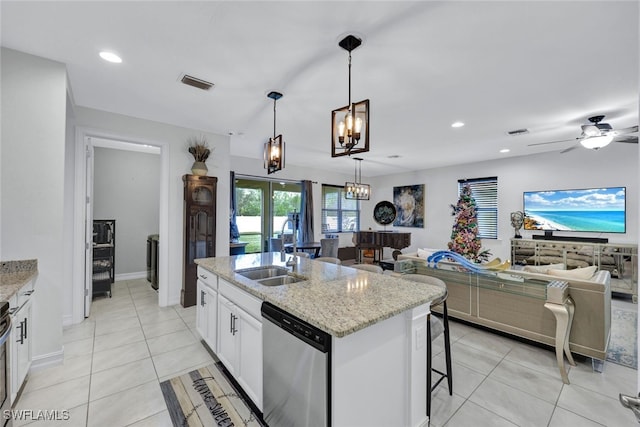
[337,299]
[14,275]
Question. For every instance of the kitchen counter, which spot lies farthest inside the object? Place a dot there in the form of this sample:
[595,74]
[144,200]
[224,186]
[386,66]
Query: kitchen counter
[14,275]
[337,299]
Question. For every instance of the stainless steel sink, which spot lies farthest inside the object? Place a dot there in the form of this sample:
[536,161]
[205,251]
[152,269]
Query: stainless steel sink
[257,273]
[280,280]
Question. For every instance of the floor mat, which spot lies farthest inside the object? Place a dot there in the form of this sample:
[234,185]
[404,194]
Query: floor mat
[623,344]
[205,397]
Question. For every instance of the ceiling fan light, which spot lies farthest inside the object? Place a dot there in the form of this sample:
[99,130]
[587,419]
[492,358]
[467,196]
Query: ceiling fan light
[596,142]
[590,130]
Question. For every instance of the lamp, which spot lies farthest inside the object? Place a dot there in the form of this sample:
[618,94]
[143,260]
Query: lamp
[357,190]
[350,124]
[274,148]
[596,142]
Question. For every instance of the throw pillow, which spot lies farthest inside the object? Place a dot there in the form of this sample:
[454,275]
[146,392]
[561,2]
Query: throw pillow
[542,269]
[426,252]
[576,273]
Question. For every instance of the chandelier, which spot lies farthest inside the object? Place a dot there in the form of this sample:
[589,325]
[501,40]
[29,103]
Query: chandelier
[357,190]
[274,148]
[350,124]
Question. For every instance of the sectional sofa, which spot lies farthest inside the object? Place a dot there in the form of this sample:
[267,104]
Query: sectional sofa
[512,301]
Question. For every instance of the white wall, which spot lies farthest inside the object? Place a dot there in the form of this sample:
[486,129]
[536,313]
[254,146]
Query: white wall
[180,161]
[126,187]
[615,165]
[32,184]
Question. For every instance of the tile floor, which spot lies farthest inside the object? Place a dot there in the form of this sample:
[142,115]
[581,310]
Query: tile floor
[115,360]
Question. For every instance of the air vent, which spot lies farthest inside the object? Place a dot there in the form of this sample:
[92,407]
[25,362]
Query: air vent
[518,131]
[196,82]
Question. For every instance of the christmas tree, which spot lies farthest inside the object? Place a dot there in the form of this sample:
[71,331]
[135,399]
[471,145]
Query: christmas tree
[464,234]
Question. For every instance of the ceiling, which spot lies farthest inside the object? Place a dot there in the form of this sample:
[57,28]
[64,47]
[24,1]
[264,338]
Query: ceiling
[496,66]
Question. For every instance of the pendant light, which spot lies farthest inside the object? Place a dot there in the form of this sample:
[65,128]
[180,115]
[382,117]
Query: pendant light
[274,148]
[350,124]
[357,190]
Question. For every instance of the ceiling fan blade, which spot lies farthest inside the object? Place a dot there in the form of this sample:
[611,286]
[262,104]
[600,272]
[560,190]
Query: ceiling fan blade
[551,142]
[566,150]
[631,129]
[627,139]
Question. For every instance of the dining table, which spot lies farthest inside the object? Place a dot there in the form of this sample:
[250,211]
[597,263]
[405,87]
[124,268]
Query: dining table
[304,246]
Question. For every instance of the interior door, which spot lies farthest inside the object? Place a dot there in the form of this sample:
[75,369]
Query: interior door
[88,284]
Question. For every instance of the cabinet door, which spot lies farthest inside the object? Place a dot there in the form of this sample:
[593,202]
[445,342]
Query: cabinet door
[227,346]
[202,310]
[24,349]
[211,307]
[249,374]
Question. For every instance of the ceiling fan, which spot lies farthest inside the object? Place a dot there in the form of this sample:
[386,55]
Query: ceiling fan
[597,135]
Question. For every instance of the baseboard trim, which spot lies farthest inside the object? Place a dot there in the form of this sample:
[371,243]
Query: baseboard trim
[67,320]
[131,276]
[46,360]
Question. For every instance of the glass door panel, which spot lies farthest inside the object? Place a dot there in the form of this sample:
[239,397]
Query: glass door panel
[263,206]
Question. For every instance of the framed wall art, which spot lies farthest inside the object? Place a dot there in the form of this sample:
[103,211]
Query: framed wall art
[409,203]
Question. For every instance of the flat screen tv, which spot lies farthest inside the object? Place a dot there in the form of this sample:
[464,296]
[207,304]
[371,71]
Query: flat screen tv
[598,210]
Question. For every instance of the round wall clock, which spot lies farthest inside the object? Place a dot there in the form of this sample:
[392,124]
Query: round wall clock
[384,213]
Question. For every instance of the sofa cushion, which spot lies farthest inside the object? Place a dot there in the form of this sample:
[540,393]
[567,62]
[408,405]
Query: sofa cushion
[576,273]
[543,268]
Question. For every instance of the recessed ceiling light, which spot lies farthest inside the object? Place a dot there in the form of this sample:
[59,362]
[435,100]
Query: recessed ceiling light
[110,56]
[457,124]
[505,150]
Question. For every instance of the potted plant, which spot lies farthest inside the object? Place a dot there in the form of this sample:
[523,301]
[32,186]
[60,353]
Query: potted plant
[199,149]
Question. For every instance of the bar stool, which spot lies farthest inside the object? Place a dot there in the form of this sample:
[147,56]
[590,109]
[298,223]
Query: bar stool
[300,254]
[328,259]
[368,267]
[435,329]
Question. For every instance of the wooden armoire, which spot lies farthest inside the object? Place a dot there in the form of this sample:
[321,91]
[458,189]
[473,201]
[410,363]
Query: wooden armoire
[199,230]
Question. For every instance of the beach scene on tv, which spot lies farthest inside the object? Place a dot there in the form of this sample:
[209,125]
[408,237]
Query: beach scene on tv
[590,210]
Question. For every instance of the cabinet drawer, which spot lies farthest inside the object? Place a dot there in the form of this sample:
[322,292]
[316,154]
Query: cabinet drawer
[241,298]
[208,278]
[22,295]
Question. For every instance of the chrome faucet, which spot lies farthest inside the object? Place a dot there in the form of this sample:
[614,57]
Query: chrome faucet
[291,262]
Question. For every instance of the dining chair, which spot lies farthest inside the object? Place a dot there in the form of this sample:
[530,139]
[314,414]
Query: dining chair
[329,247]
[275,244]
[436,328]
[329,259]
[368,267]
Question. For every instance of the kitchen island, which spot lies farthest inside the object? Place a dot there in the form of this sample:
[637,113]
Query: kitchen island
[377,325]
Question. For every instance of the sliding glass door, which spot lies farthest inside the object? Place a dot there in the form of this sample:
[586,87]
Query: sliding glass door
[262,209]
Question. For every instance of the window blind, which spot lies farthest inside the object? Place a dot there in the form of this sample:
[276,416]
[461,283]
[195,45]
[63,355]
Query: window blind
[485,193]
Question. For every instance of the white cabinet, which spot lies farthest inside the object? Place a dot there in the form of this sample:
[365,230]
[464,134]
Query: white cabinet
[228,346]
[240,338]
[207,315]
[20,339]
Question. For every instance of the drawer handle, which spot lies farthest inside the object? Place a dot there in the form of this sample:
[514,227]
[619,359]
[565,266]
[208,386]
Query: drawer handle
[203,276]
[27,293]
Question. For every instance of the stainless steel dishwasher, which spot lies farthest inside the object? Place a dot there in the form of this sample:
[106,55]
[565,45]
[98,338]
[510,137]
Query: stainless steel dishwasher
[296,371]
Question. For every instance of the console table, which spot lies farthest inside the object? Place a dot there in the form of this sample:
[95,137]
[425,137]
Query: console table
[621,260]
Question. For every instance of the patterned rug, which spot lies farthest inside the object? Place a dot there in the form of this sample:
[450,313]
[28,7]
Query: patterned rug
[205,397]
[623,344]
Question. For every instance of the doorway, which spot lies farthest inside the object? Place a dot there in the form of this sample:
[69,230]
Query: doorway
[262,209]
[86,142]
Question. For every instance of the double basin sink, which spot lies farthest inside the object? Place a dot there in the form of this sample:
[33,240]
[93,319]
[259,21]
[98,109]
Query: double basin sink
[270,275]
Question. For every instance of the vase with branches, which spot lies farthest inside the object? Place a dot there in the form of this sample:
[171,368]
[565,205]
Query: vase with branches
[199,149]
